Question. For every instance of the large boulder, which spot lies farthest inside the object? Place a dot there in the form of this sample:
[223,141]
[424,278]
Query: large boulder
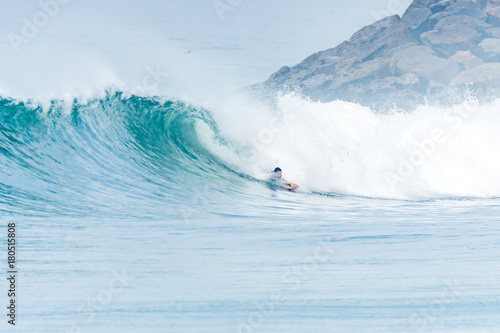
[420,18]
[424,62]
[471,8]
[493,15]
[462,20]
[451,39]
[441,6]
[493,32]
[484,79]
[492,3]
[489,50]
[391,84]
[361,73]
[414,17]
[466,59]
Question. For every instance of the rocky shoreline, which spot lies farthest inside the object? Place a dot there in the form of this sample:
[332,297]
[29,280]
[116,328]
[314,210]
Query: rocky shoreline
[432,54]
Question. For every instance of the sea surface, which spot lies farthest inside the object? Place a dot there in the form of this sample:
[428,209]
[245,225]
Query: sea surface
[141,214]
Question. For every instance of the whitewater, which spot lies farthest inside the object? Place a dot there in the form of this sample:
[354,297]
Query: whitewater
[138,180]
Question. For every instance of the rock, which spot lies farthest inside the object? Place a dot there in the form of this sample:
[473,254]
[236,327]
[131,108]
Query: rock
[462,20]
[493,15]
[328,65]
[400,92]
[451,39]
[484,78]
[323,84]
[493,32]
[408,81]
[363,72]
[414,17]
[380,36]
[422,60]
[430,23]
[472,12]
[489,50]
[441,6]
[431,3]
[335,67]
[342,65]
[492,3]
[468,7]
[421,3]
[458,8]
[281,72]
[436,46]
[426,25]
[322,76]
[467,59]
[420,20]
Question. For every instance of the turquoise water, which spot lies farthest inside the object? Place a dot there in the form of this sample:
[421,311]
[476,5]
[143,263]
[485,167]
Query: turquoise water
[128,220]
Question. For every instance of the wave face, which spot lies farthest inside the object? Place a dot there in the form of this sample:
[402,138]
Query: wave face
[114,154]
[109,155]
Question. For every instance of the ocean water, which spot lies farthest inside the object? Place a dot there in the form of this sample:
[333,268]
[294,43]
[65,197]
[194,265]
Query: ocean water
[136,172]
[154,215]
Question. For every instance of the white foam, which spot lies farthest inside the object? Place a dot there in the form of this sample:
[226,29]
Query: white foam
[346,148]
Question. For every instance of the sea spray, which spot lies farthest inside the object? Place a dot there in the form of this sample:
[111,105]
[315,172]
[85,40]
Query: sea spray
[340,147]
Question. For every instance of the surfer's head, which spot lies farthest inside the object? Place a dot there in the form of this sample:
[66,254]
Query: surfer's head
[277,172]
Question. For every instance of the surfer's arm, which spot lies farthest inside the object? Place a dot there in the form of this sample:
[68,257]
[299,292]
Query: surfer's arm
[289,185]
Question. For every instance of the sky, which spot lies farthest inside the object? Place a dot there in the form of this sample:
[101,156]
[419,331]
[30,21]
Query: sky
[110,41]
